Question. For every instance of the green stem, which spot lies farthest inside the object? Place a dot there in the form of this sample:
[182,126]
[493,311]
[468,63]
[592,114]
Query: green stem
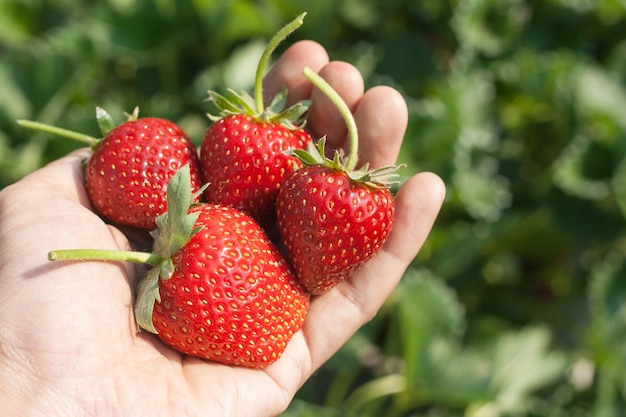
[343,108]
[89,140]
[378,388]
[104,255]
[267,53]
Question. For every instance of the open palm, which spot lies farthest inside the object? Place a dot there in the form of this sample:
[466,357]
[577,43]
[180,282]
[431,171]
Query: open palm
[69,344]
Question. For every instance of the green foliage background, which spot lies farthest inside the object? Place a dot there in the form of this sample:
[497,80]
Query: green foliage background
[516,306]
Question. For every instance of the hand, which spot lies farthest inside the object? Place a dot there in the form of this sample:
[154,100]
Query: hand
[69,344]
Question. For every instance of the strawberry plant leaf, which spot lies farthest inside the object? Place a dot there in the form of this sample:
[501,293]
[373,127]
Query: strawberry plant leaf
[132,116]
[104,120]
[147,295]
[224,105]
[569,171]
[279,101]
[607,294]
[618,185]
[244,103]
[176,226]
[237,103]
[292,116]
[243,100]
[313,155]
[174,229]
[522,364]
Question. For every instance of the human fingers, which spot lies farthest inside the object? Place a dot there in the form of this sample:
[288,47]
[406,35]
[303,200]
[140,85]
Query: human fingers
[324,119]
[381,117]
[287,71]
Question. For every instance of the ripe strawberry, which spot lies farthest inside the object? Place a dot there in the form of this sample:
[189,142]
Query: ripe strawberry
[331,223]
[243,155]
[232,297]
[218,289]
[243,160]
[127,174]
[333,218]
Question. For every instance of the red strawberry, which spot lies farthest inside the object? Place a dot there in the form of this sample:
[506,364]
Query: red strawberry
[232,297]
[243,154]
[331,224]
[218,289]
[127,175]
[243,160]
[333,218]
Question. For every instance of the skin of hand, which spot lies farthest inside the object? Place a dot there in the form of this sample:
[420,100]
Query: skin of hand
[69,345]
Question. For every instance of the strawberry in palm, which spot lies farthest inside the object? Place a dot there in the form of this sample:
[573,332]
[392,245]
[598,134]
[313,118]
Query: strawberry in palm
[333,217]
[218,288]
[243,154]
[127,174]
[232,298]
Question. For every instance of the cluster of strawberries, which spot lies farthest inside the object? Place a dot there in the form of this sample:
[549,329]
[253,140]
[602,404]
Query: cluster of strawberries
[223,284]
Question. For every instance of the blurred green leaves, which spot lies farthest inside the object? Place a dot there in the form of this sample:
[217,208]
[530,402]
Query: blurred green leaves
[61,59]
[490,26]
[438,367]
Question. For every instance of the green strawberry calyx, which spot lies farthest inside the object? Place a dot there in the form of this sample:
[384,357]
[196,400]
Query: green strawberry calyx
[243,103]
[315,154]
[103,118]
[174,229]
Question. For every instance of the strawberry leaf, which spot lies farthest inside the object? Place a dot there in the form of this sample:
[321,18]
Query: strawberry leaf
[235,104]
[174,229]
[176,226]
[315,154]
[104,120]
[291,117]
[376,178]
[147,295]
[244,103]
[130,117]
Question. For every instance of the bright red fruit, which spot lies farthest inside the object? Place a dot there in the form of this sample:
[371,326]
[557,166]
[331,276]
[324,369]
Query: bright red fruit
[333,217]
[244,161]
[232,297]
[127,175]
[218,289]
[331,224]
[243,155]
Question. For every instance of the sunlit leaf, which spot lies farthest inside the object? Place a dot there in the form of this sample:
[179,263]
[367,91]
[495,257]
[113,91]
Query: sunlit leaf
[428,311]
[608,306]
[490,26]
[523,364]
[16,22]
[618,185]
[600,93]
[484,195]
[569,172]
